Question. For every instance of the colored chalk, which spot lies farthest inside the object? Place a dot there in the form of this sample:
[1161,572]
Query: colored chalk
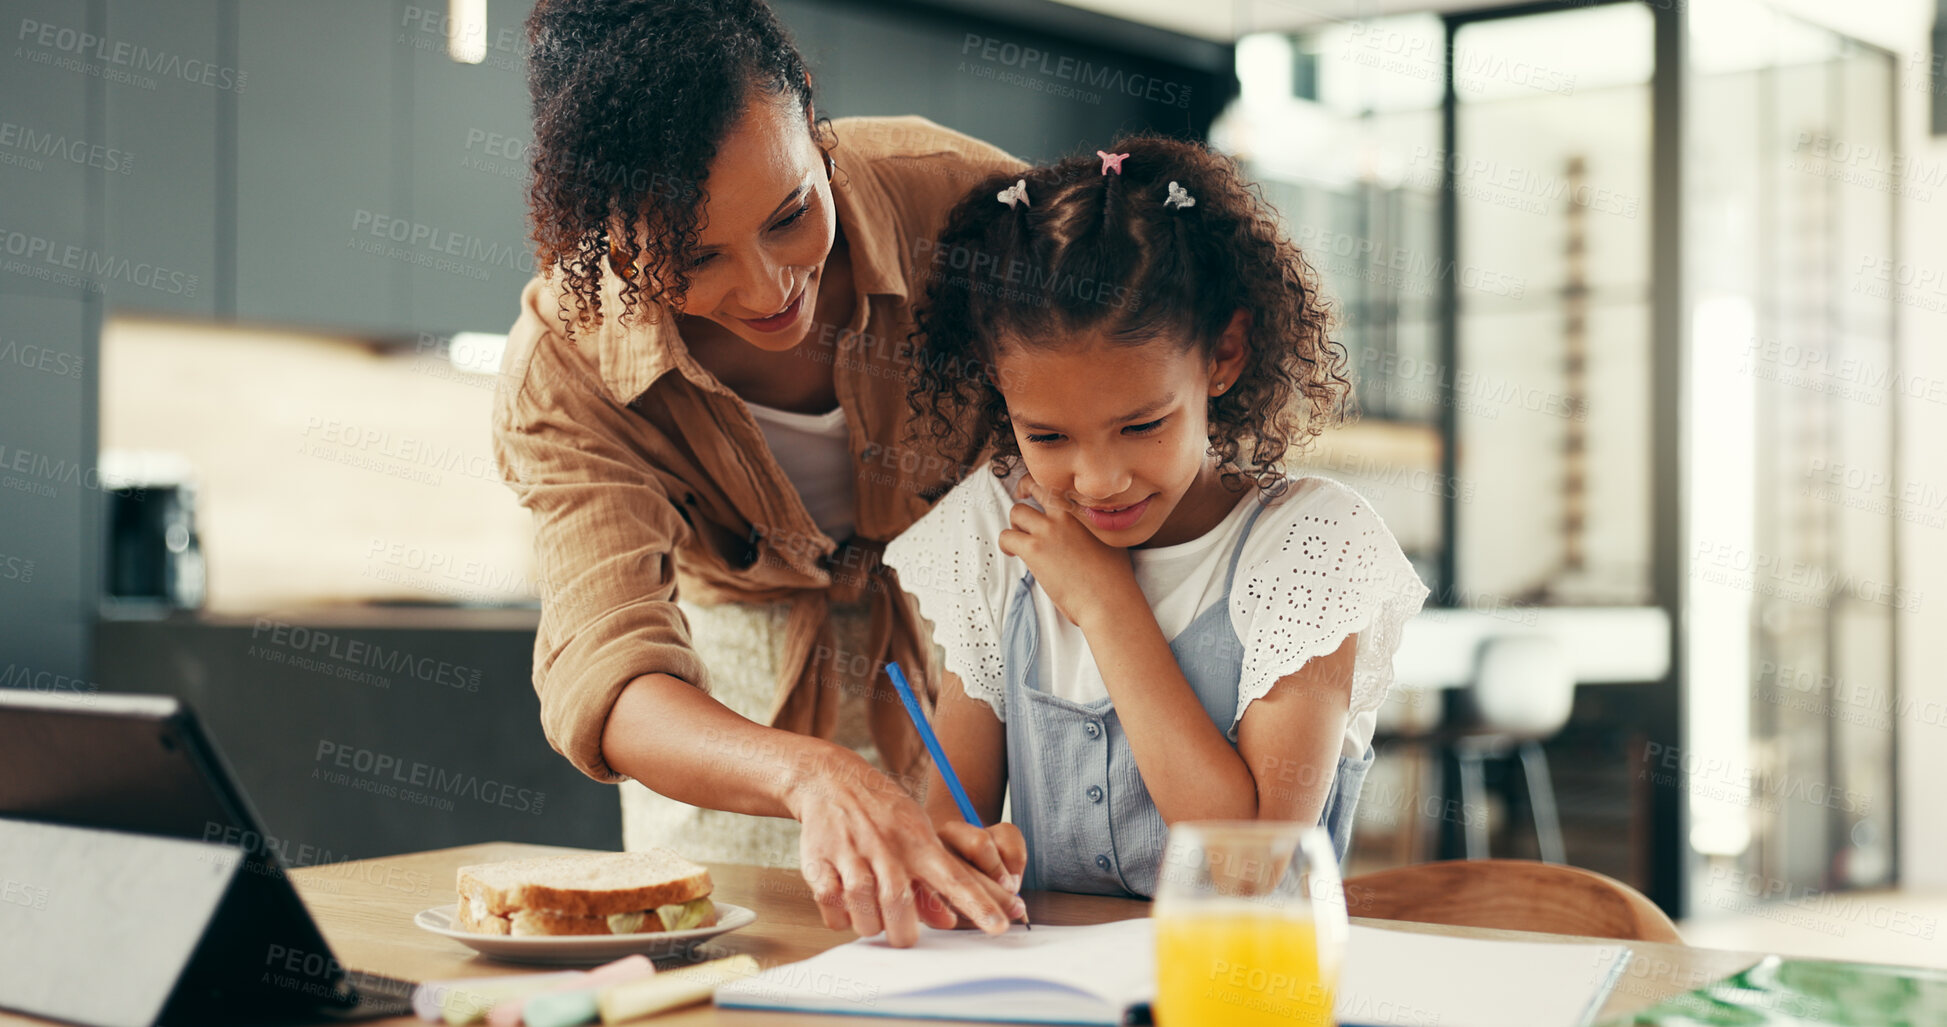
[465,1000]
[511,1012]
[672,989]
[561,1009]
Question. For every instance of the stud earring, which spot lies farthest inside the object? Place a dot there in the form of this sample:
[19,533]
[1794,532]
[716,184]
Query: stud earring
[1221,386]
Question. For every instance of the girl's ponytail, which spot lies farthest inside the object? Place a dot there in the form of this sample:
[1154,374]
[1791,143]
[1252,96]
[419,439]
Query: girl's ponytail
[1014,229]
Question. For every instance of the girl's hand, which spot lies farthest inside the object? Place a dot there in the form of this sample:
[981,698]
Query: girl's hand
[1081,573]
[999,851]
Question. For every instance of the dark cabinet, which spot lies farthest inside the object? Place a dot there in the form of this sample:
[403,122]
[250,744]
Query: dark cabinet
[163,161]
[1072,83]
[468,152]
[50,489]
[49,223]
[52,263]
[380,181]
[331,166]
[323,212]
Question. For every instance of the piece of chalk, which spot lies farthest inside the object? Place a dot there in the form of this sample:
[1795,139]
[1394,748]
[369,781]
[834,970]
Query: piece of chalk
[561,1009]
[672,989]
[508,1013]
[465,1000]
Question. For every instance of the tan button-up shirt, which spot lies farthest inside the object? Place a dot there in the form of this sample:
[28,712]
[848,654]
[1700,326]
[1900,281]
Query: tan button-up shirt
[647,476]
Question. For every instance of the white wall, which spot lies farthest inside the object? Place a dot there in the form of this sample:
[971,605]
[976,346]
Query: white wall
[1923,567]
[1923,548]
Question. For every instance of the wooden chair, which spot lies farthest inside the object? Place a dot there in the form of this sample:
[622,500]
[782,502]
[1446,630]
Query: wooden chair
[1513,895]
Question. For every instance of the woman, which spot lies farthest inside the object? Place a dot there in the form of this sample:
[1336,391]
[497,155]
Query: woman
[703,405]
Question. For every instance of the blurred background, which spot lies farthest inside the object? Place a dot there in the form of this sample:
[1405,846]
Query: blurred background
[1644,301]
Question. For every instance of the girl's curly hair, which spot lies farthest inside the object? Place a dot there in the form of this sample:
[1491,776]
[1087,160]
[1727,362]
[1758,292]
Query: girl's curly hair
[1096,253]
[631,99]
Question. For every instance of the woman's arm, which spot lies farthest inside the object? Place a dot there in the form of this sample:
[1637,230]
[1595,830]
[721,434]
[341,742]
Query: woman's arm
[613,663]
[867,849]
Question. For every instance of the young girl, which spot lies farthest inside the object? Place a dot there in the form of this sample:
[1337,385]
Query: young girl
[1144,620]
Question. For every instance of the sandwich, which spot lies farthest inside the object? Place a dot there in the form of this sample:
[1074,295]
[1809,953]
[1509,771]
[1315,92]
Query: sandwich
[605,893]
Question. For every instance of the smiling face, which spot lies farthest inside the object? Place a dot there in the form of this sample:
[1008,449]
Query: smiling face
[766,228]
[1121,431]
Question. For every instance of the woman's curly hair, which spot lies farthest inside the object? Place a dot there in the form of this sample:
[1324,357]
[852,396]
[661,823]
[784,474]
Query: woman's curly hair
[631,99]
[1096,253]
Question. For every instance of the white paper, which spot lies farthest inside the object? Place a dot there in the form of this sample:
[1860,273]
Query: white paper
[1068,974]
[1091,974]
[1406,979]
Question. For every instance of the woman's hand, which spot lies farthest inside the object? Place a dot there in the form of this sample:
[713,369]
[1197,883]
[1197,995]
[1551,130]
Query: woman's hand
[870,855]
[999,851]
[1081,573]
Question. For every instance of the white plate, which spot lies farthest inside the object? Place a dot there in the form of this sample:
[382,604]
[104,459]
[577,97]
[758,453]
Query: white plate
[581,949]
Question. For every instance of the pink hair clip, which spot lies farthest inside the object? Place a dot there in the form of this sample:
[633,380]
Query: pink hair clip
[1111,161]
[1013,194]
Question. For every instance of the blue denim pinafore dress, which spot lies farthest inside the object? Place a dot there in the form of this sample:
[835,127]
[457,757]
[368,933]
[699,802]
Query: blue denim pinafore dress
[1076,795]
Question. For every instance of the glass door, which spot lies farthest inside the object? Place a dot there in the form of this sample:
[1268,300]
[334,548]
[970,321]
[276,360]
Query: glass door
[1794,507]
[1553,130]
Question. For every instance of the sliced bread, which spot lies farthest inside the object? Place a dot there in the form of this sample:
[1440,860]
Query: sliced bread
[548,922]
[474,917]
[593,885]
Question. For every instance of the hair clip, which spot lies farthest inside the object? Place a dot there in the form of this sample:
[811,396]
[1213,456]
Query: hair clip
[1016,193]
[1179,197]
[1111,161]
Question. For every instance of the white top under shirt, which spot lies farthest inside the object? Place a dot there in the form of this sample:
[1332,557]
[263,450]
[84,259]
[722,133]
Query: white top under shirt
[1318,566]
[815,451]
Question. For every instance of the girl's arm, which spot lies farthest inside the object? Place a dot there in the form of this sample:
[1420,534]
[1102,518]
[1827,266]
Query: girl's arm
[1284,740]
[1186,762]
[1290,737]
[975,742]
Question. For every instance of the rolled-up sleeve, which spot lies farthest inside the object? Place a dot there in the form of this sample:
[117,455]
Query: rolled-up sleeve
[605,530]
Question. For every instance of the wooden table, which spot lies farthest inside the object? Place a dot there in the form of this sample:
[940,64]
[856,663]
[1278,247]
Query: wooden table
[365,909]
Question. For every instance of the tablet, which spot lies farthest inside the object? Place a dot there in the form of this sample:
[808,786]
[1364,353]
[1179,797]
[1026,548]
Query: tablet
[142,765]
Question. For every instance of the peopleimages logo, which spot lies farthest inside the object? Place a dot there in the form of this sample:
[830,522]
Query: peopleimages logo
[120,56]
[49,260]
[330,653]
[390,772]
[1069,69]
[28,143]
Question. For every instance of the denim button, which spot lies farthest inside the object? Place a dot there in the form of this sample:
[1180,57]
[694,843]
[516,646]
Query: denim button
[1102,862]
[1095,793]
[1094,730]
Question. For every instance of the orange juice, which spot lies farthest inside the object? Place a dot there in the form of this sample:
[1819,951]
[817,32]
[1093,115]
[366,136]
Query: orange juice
[1241,968]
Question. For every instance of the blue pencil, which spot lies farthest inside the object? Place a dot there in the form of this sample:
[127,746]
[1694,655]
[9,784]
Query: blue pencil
[933,746]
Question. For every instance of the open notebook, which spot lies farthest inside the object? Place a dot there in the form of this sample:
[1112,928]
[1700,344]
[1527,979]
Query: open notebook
[1106,974]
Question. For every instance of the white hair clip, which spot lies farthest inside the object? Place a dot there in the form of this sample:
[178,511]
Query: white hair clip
[1179,197]
[1016,193]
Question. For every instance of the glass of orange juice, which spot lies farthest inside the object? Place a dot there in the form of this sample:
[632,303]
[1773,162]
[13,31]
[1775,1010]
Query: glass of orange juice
[1250,925]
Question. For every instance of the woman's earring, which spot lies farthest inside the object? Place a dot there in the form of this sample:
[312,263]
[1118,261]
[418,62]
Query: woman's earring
[1221,386]
[827,154]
